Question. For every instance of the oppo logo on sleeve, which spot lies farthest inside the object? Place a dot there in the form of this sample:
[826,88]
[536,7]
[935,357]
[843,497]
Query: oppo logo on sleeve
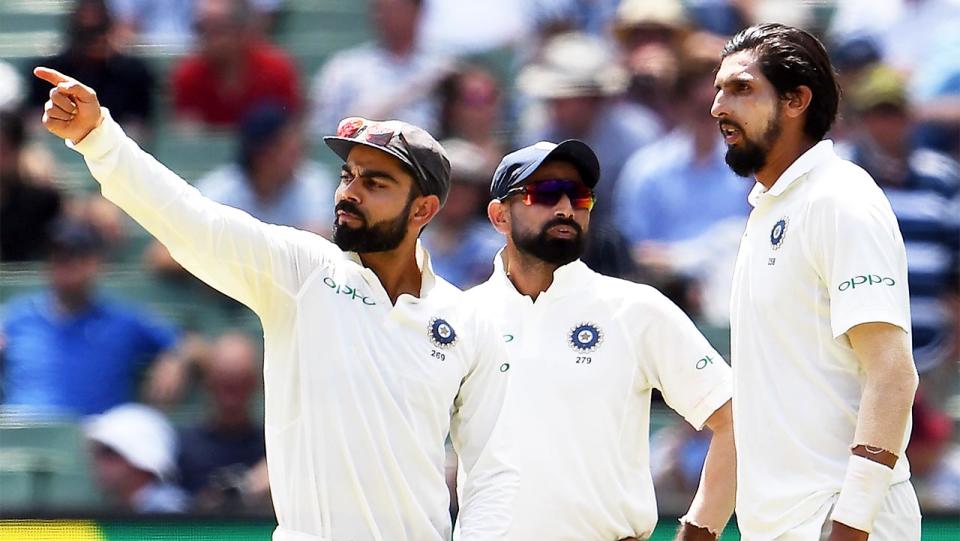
[867,280]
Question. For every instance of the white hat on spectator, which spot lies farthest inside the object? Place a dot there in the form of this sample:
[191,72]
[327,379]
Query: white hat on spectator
[138,433]
[467,161]
[574,65]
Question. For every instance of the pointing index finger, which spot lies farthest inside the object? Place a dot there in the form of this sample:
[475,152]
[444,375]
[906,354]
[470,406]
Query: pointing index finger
[50,75]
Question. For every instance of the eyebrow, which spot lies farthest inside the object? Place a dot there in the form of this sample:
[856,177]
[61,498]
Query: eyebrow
[741,77]
[371,173]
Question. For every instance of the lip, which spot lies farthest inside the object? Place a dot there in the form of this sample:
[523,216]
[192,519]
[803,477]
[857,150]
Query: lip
[345,215]
[563,231]
[730,133]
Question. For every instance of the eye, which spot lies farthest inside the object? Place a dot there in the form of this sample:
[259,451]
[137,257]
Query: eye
[742,88]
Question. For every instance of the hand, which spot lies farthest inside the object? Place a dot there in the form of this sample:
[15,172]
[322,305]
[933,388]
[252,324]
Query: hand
[73,110]
[167,380]
[842,532]
[689,532]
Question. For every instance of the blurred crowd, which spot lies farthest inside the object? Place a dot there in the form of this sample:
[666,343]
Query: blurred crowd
[632,78]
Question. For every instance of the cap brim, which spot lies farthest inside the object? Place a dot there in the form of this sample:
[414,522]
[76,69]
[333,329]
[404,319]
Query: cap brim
[574,151]
[342,146]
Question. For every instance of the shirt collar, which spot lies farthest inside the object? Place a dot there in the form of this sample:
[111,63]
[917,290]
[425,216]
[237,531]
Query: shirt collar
[428,278]
[565,278]
[814,156]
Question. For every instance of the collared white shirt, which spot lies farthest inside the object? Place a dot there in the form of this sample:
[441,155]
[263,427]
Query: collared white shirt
[360,394]
[822,252]
[584,358]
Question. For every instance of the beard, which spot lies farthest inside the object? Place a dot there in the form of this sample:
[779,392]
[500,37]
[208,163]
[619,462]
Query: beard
[552,250]
[751,156]
[382,236]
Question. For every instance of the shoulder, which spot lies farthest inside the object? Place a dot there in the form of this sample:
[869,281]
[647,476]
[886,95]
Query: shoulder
[938,171]
[271,57]
[356,58]
[23,307]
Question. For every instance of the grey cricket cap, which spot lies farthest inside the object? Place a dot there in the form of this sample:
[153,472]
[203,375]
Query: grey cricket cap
[410,144]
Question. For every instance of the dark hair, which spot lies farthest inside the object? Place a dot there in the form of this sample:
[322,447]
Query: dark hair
[789,58]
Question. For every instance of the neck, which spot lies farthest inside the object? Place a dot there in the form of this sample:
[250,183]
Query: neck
[399,46]
[397,270]
[531,276]
[230,420]
[71,303]
[137,481]
[782,155]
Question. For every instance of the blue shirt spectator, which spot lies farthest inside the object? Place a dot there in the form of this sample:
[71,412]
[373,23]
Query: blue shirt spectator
[82,363]
[70,351]
[666,194]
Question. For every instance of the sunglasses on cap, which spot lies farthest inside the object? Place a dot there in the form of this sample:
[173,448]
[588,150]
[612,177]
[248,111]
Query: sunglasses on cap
[549,192]
[379,134]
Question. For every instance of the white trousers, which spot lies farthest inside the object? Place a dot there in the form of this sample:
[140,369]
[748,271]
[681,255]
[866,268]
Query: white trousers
[898,519]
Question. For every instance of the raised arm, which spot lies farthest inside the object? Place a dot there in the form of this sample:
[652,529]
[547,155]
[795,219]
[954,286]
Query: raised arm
[480,438]
[225,247]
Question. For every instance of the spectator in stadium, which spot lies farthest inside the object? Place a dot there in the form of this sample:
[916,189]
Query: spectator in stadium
[393,77]
[27,207]
[580,85]
[461,242]
[233,70]
[678,204]
[934,459]
[920,184]
[124,83]
[217,456]
[170,23]
[471,108]
[648,35]
[271,180]
[133,450]
[69,350]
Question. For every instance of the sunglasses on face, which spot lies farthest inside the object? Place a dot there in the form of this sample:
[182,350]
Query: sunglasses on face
[549,193]
[379,134]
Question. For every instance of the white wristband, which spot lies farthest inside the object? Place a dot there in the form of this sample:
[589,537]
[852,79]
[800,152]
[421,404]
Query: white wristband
[864,489]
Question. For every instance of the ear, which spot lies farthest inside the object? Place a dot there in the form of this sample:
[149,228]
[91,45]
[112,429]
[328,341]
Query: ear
[424,208]
[499,215]
[797,101]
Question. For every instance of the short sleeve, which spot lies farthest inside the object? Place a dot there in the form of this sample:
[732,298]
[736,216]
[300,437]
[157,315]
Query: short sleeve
[858,251]
[677,359]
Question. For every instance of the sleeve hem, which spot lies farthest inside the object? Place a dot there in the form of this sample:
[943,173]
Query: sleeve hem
[100,140]
[710,403]
[841,327]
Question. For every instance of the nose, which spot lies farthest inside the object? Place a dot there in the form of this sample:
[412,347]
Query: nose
[719,107]
[564,207]
[349,190]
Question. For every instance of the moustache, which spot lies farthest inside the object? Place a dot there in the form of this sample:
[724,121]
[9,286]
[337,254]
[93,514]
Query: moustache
[347,206]
[563,221]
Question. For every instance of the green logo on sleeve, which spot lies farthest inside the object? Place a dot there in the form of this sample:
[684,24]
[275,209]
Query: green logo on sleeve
[866,280]
[704,362]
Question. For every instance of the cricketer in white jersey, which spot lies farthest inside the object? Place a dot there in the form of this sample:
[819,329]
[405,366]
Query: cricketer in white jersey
[370,359]
[586,352]
[823,374]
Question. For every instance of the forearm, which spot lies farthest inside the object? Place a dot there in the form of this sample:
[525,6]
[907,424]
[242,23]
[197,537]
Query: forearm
[716,496]
[885,406]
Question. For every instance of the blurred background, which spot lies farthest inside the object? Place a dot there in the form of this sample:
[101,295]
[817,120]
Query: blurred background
[129,391]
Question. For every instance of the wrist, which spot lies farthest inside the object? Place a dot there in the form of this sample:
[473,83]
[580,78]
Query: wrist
[864,488]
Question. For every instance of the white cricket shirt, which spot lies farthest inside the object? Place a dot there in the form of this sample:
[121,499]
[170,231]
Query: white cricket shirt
[822,253]
[360,394]
[585,357]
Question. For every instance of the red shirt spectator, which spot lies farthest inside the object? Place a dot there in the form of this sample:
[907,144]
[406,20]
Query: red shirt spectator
[203,92]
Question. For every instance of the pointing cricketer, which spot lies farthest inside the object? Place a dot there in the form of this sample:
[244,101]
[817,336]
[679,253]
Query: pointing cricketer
[370,358]
[823,372]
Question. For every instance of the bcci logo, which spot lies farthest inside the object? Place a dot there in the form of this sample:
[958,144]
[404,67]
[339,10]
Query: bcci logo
[778,232]
[585,337]
[441,333]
